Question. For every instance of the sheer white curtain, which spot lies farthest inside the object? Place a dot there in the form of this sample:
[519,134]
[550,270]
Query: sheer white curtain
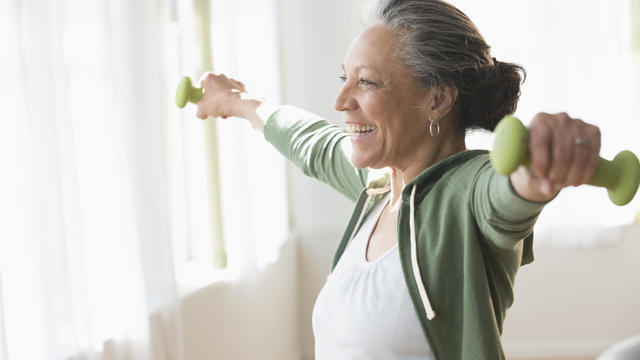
[104,222]
[579,59]
[85,252]
[253,193]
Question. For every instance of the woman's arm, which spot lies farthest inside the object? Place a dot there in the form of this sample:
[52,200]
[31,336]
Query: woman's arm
[502,215]
[506,208]
[319,149]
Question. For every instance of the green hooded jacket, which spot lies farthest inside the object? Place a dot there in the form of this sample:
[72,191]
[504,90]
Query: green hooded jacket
[463,232]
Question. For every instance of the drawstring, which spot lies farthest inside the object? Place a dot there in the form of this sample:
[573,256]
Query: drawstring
[414,258]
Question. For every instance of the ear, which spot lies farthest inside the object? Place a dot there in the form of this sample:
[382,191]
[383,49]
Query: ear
[443,100]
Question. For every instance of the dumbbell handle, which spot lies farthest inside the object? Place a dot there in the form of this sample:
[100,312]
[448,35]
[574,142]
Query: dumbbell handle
[621,176]
[186,92]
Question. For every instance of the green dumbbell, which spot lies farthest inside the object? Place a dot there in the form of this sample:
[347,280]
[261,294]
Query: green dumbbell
[621,176]
[186,92]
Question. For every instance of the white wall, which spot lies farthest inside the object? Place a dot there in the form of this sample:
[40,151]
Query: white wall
[252,319]
[570,302]
[576,301]
[313,41]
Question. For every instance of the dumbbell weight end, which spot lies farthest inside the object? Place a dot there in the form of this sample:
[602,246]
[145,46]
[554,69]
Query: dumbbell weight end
[186,92]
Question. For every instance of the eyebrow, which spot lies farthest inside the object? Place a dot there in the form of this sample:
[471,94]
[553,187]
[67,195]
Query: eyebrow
[357,68]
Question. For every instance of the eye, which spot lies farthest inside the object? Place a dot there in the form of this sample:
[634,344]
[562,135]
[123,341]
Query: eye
[366,82]
[343,78]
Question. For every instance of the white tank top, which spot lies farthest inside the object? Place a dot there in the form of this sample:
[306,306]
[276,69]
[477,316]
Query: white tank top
[364,310]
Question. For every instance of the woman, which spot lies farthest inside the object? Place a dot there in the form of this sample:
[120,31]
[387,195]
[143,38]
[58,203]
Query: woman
[433,247]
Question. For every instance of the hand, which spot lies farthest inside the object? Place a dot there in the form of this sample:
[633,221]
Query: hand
[564,152]
[221,96]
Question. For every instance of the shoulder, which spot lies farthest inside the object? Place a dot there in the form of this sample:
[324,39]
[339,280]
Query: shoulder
[477,161]
[467,172]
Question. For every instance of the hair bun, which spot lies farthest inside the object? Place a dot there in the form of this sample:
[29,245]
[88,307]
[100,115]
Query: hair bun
[495,95]
[442,47]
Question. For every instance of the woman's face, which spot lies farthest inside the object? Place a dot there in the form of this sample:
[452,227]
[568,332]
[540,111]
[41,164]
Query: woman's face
[384,109]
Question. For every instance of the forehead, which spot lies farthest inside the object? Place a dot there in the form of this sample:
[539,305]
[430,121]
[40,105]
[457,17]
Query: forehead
[372,48]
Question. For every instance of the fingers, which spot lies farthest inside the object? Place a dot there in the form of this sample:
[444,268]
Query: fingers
[586,155]
[579,158]
[207,79]
[540,145]
[239,85]
[201,113]
[220,96]
[564,151]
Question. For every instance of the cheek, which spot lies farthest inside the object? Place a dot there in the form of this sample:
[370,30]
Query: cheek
[400,129]
[401,135]
[372,106]
[388,118]
[382,113]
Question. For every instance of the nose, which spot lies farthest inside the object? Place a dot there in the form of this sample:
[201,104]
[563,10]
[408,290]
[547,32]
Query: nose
[345,100]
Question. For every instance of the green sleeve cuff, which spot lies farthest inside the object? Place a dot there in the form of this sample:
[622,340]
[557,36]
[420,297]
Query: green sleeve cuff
[508,204]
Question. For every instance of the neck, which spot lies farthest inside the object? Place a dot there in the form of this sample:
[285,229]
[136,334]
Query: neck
[427,155]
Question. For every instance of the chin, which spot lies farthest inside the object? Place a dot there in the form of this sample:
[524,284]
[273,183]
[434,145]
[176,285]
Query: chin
[360,161]
[357,161]
[358,164]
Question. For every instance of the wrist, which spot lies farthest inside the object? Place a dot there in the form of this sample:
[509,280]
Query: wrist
[256,110]
[530,189]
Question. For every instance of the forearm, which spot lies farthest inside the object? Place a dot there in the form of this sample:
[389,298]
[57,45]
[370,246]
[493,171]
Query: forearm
[255,110]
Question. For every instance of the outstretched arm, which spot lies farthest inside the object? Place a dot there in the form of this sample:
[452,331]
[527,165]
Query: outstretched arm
[563,152]
[319,149]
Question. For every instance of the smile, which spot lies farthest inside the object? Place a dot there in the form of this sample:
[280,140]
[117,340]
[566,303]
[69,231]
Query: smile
[360,130]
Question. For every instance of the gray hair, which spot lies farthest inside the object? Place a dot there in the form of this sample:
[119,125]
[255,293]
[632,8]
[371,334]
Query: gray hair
[442,47]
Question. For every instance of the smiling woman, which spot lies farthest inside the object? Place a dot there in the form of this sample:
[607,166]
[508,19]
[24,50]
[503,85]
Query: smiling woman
[383,96]
[414,81]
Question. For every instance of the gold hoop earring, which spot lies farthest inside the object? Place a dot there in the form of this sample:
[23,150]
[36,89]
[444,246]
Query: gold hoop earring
[431,127]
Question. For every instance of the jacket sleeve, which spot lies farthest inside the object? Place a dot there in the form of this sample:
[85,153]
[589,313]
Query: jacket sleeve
[504,218]
[319,149]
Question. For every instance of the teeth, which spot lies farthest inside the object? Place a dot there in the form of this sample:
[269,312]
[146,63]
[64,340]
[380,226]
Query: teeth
[357,130]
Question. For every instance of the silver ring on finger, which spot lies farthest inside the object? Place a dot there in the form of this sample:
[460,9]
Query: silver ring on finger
[579,141]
